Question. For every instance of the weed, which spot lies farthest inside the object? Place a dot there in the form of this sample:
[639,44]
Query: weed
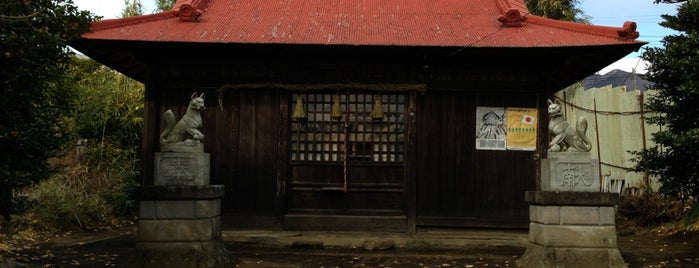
[653,209]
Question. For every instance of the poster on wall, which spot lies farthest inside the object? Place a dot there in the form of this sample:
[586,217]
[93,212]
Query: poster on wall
[490,128]
[521,129]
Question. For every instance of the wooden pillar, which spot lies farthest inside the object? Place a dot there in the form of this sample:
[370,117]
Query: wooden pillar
[151,128]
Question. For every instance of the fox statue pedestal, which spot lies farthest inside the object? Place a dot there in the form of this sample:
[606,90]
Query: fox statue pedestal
[180,226]
[179,221]
[571,223]
[180,217]
[571,229]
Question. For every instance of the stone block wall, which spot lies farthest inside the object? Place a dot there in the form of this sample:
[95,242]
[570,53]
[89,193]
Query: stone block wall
[569,226]
[572,229]
[179,220]
[180,226]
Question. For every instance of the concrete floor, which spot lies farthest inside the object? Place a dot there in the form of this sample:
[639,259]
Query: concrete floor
[432,238]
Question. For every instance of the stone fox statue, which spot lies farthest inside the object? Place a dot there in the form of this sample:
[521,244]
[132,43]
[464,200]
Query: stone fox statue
[564,137]
[186,131]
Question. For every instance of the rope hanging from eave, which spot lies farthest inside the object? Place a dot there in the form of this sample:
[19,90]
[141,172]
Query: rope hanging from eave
[398,87]
[345,160]
[328,86]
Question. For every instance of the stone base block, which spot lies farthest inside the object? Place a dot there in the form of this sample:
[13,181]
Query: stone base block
[179,209]
[181,168]
[570,171]
[180,226]
[571,229]
[580,236]
[181,192]
[197,254]
[541,257]
[179,230]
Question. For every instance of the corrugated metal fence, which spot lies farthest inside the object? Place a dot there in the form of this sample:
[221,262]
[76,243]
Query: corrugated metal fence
[616,126]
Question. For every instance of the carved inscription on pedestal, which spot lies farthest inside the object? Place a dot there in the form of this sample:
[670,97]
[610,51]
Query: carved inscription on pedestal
[179,170]
[570,171]
[574,175]
[176,168]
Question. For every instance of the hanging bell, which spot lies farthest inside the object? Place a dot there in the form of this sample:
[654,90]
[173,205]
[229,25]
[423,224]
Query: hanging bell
[299,112]
[336,113]
[377,112]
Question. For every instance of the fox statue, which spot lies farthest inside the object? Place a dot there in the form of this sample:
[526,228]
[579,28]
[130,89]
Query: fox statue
[565,138]
[186,131]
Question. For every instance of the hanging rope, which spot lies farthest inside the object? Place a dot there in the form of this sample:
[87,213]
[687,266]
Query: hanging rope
[346,154]
[594,111]
[602,112]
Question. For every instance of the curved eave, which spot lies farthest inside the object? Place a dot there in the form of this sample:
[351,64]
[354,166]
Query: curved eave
[562,65]
[501,29]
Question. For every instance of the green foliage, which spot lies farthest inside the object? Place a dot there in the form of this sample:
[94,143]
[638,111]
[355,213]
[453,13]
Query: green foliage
[96,186]
[109,107]
[164,5]
[133,8]
[67,203]
[110,116]
[692,218]
[675,71]
[83,197]
[557,9]
[36,96]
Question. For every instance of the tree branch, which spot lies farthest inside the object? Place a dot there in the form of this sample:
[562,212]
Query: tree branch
[6,17]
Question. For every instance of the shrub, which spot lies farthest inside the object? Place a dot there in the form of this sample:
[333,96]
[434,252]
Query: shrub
[87,196]
[95,188]
[652,209]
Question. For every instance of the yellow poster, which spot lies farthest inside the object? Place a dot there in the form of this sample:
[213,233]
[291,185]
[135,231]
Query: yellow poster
[521,129]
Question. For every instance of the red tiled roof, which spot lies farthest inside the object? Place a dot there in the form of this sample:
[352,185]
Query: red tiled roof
[463,23]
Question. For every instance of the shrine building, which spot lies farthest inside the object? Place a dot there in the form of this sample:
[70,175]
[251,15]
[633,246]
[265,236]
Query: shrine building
[387,115]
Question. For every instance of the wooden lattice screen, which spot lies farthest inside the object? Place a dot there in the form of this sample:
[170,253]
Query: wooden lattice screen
[320,134]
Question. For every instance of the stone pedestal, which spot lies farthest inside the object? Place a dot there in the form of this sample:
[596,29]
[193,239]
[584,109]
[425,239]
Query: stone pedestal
[570,171]
[179,221]
[180,226]
[571,229]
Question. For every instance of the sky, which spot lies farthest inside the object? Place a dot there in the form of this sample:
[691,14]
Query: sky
[643,12]
[601,12]
[110,9]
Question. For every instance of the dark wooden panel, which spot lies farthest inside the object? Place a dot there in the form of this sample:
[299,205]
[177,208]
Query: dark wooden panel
[372,189]
[454,180]
[332,174]
[244,159]
[358,201]
[444,162]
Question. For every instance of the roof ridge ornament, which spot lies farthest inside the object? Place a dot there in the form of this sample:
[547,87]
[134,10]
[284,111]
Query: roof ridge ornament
[188,10]
[512,18]
[628,31]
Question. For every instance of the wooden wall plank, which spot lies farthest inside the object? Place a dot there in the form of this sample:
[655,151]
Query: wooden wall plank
[241,136]
[454,180]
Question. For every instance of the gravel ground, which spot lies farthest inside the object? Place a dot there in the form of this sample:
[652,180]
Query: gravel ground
[112,248]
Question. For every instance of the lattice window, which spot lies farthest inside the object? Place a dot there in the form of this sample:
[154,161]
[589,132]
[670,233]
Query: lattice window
[372,126]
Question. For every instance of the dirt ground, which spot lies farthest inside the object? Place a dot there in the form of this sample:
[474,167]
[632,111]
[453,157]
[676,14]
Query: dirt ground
[112,248]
